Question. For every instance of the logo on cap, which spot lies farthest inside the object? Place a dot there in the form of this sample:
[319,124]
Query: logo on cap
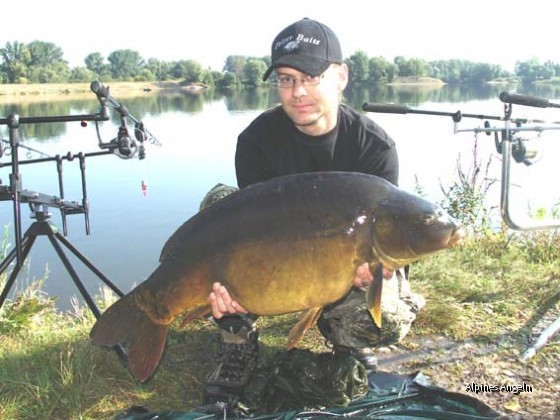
[291,46]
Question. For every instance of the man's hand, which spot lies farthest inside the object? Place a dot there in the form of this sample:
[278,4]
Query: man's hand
[222,303]
[364,276]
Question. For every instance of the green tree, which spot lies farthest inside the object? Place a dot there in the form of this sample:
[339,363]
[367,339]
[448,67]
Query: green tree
[381,70]
[190,70]
[229,80]
[51,73]
[208,77]
[358,64]
[410,67]
[81,74]
[43,54]
[483,72]
[125,64]
[253,71]
[95,62]
[447,70]
[160,69]
[144,75]
[15,57]
[532,70]
[235,64]
[46,63]
[547,71]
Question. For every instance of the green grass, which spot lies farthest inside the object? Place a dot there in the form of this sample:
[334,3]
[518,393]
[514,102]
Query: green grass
[489,286]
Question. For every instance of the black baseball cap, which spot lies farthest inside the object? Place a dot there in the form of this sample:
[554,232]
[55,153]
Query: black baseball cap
[307,46]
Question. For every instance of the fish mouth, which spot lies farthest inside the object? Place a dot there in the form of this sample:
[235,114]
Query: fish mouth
[457,237]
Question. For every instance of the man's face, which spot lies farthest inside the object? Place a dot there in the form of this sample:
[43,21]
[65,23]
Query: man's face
[313,108]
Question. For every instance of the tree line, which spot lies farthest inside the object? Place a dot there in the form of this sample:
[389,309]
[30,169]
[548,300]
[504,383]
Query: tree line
[43,62]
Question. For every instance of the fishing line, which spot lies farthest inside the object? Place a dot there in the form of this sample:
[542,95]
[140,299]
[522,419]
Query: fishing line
[145,168]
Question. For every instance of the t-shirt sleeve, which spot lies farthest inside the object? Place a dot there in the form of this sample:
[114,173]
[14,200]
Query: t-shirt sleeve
[383,162]
[251,162]
[377,151]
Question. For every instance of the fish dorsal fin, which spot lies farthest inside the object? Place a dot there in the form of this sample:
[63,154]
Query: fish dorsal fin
[374,292]
[307,320]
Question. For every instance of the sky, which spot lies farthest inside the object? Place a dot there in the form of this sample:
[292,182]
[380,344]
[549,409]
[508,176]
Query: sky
[490,31]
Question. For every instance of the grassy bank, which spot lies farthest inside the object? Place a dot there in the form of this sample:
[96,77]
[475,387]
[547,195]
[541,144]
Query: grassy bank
[486,301]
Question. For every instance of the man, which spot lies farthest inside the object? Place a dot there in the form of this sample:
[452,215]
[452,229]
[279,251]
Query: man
[310,131]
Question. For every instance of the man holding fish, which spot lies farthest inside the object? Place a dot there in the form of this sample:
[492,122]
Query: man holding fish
[311,131]
[318,200]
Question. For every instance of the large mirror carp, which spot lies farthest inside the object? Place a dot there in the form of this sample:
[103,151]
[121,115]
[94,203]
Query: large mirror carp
[285,245]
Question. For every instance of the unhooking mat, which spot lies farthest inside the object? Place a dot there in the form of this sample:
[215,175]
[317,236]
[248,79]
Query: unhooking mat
[305,385]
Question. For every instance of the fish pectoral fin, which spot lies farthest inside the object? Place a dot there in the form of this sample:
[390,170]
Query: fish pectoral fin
[374,293]
[195,313]
[308,320]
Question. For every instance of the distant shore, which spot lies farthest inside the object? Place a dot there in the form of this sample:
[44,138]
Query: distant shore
[66,90]
[416,81]
[38,91]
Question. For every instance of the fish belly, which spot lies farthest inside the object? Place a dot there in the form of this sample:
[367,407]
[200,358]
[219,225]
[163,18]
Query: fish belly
[278,277]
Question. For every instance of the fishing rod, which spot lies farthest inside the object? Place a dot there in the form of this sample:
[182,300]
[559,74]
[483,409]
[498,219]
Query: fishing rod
[510,144]
[527,100]
[30,150]
[456,116]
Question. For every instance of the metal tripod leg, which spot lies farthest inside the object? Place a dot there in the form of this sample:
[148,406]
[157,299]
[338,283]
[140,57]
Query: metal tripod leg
[77,281]
[87,263]
[45,229]
[26,245]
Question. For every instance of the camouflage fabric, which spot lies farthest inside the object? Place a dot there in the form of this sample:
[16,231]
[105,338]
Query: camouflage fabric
[348,323]
[218,192]
[301,378]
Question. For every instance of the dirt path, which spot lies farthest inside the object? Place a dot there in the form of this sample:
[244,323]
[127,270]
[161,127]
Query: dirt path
[461,366]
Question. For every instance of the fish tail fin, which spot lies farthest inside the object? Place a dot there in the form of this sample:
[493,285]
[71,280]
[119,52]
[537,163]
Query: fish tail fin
[374,294]
[125,322]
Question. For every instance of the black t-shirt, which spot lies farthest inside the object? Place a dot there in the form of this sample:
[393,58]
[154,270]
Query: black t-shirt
[272,146]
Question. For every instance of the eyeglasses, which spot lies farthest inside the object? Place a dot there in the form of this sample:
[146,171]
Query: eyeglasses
[287,81]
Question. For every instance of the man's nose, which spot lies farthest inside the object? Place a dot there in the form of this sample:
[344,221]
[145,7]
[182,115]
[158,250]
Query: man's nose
[299,89]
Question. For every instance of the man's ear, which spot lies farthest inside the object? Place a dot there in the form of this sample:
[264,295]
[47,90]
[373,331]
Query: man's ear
[342,71]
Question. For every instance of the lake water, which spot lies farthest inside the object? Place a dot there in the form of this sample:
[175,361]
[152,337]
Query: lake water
[198,136]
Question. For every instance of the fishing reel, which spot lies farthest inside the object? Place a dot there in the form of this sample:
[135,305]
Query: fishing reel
[523,150]
[123,145]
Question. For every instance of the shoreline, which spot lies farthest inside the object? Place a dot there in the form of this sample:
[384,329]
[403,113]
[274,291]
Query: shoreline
[36,89]
[62,91]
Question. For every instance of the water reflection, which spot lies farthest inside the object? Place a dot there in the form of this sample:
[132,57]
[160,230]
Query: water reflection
[418,95]
[261,98]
